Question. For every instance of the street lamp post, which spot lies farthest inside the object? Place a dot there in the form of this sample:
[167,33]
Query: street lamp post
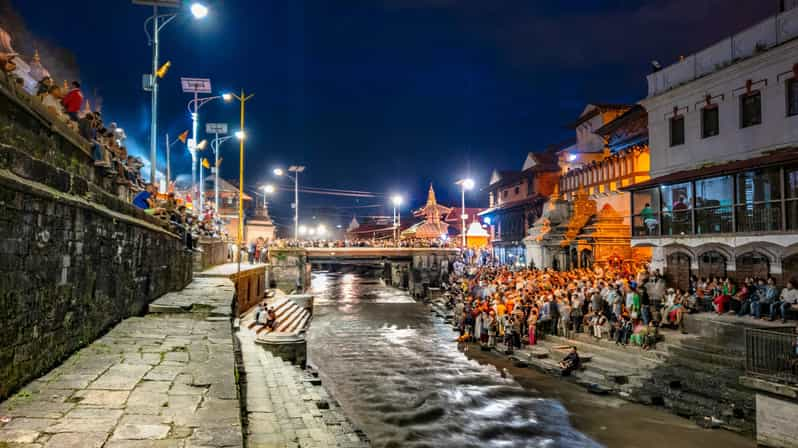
[267,190]
[296,169]
[465,184]
[215,147]
[197,86]
[397,218]
[159,21]
[243,98]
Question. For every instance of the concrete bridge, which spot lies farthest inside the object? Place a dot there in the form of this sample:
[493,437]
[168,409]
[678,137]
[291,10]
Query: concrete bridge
[406,267]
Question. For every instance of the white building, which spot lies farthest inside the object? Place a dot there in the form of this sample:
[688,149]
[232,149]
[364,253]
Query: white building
[723,133]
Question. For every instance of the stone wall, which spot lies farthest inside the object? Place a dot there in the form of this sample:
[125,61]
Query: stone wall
[289,269]
[213,252]
[74,259]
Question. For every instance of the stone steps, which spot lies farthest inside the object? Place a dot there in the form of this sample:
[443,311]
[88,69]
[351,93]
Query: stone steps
[683,351]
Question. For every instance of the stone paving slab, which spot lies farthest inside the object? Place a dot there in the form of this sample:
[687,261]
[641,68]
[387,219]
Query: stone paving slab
[161,381]
[284,410]
[212,295]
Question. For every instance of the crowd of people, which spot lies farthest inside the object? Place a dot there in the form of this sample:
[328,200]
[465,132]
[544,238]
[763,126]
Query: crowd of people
[65,103]
[758,298]
[628,306]
[182,221]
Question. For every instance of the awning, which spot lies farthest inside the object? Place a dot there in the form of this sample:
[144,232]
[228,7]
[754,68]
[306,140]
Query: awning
[780,157]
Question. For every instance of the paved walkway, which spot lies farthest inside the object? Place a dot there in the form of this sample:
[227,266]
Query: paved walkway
[284,406]
[166,380]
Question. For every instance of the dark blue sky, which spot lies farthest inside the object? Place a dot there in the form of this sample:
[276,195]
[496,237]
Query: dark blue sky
[385,95]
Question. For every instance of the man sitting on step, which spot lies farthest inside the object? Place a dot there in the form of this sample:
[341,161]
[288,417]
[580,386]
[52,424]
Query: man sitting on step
[271,319]
[571,362]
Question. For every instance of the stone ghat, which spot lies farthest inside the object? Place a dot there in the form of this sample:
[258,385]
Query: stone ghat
[163,380]
[75,258]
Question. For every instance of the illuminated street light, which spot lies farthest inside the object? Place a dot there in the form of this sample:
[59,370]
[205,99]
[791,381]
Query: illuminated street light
[153,31]
[267,190]
[198,10]
[241,135]
[227,97]
[465,184]
[397,201]
[296,169]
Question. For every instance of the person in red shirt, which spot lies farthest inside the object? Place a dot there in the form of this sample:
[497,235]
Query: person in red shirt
[73,100]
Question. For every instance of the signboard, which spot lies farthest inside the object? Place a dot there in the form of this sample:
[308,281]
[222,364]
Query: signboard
[196,85]
[216,128]
[159,3]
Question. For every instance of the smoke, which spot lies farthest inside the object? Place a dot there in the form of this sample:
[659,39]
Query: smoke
[61,62]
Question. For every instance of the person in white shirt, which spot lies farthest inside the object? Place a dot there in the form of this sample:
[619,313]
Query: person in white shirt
[787,300]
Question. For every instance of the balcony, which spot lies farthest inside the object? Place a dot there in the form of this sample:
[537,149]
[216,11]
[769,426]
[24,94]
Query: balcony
[764,217]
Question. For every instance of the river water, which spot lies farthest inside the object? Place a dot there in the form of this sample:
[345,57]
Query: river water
[399,375]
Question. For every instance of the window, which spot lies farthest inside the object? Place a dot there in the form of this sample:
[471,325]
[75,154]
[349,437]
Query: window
[676,205]
[758,206]
[710,121]
[645,206]
[505,193]
[791,191]
[751,109]
[792,97]
[677,130]
[517,190]
[713,201]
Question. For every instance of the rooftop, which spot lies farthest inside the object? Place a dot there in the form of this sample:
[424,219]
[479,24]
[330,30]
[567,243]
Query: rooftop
[748,43]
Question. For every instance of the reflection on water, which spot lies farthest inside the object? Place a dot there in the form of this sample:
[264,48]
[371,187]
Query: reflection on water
[398,373]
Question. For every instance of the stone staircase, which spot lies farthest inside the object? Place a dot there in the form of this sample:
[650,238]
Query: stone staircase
[291,318]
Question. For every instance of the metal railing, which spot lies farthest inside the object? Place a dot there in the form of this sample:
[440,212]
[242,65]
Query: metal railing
[716,219]
[645,225]
[759,217]
[679,222]
[772,354]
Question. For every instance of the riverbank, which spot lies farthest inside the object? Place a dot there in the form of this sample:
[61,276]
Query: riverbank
[612,421]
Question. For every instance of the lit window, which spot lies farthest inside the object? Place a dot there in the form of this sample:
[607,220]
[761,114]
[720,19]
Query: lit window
[751,109]
[710,121]
[677,130]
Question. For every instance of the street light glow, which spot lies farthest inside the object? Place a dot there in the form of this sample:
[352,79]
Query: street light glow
[278,172]
[468,184]
[302,230]
[571,157]
[321,229]
[397,200]
[240,135]
[227,97]
[198,10]
[268,188]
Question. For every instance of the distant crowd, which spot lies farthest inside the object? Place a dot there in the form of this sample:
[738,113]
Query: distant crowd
[627,305]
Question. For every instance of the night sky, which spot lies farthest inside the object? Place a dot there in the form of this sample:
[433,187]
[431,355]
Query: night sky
[384,95]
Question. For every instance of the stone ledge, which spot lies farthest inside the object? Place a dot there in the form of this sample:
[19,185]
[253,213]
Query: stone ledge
[17,183]
[763,385]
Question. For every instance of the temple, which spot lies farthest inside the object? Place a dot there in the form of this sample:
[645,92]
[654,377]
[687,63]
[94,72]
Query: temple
[433,226]
[586,220]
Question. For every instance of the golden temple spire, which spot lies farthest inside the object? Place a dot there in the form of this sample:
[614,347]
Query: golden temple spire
[431,196]
[36,57]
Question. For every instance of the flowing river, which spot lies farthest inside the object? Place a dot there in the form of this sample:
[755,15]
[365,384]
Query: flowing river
[398,373]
